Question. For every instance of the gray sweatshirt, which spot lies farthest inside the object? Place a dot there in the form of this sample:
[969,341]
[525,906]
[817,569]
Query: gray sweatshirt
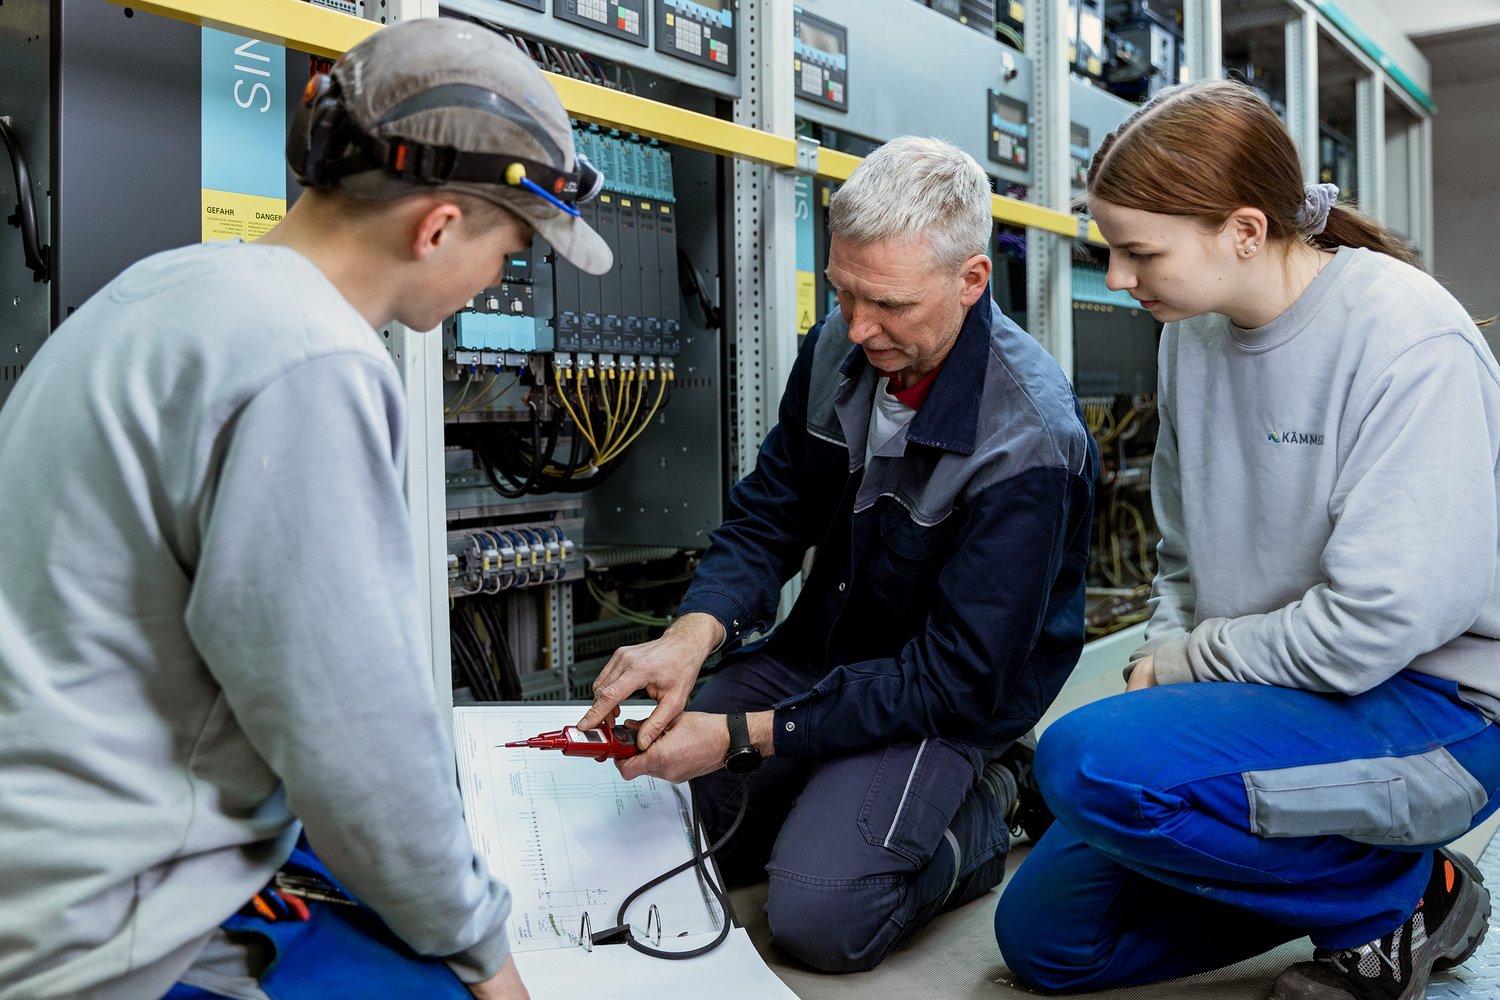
[210,624]
[1327,489]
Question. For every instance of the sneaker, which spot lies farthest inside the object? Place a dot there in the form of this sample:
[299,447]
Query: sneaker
[1451,872]
[1000,782]
[1028,814]
[1449,922]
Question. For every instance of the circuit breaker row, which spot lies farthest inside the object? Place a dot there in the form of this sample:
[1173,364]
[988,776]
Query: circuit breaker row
[493,558]
[545,304]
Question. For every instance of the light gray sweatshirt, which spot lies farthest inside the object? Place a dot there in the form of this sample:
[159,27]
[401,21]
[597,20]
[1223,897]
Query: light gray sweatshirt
[210,624]
[1327,489]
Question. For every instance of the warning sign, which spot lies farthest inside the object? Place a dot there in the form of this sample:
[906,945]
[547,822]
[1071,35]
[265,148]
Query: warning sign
[228,215]
[807,301]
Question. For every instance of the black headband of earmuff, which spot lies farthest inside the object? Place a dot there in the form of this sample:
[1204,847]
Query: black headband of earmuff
[336,147]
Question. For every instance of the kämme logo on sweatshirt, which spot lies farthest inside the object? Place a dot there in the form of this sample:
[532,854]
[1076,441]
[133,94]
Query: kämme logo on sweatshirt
[1294,437]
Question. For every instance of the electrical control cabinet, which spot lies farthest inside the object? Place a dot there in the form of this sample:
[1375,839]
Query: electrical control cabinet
[612,378]
[700,31]
[820,59]
[625,19]
[893,89]
[641,47]
[639,354]
[93,91]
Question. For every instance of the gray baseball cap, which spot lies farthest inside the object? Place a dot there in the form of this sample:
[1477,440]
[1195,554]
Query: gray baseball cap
[454,85]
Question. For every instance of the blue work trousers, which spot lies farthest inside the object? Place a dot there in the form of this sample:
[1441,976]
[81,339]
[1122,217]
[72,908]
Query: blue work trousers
[860,850]
[1201,824]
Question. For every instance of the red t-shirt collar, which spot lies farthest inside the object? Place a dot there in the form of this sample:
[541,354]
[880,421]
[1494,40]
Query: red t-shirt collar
[915,395]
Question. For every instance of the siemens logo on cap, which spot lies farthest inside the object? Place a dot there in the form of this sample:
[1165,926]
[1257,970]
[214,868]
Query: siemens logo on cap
[1294,437]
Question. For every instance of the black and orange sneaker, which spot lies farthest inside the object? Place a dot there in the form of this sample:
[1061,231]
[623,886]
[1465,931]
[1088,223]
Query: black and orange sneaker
[1449,923]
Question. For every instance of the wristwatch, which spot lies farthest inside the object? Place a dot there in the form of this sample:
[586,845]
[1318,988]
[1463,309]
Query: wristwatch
[742,757]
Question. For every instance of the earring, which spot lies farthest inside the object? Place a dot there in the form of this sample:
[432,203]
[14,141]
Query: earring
[1251,249]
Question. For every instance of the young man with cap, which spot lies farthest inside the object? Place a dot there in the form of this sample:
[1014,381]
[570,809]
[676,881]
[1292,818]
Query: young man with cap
[209,613]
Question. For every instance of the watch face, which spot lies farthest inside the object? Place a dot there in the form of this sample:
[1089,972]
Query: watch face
[742,760]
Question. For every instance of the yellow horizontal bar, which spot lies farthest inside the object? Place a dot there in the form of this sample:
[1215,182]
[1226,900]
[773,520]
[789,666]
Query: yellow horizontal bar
[319,31]
[1022,213]
[1095,236]
[836,166]
[295,24]
[629,113]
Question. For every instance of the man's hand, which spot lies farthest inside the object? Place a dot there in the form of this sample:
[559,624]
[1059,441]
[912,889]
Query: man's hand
[695,744]
[503,985]
[664,668]
[1143,676]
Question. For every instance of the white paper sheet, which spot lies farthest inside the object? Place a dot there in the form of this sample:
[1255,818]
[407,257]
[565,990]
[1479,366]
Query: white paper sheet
[568,835]
[732,971]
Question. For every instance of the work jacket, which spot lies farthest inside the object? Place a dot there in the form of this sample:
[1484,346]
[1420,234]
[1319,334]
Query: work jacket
[946,596]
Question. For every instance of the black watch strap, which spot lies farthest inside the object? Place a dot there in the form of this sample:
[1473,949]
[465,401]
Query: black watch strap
[742,757]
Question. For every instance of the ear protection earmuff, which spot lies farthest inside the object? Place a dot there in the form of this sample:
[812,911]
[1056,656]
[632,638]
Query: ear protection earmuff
[314,142]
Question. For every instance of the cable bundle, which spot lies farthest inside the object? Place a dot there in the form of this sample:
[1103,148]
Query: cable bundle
[481,652]
[604,413]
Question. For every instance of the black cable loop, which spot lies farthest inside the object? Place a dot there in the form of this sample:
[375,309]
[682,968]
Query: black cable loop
[696,861]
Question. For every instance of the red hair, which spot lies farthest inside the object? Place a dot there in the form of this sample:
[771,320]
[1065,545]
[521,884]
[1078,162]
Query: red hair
[1206,149]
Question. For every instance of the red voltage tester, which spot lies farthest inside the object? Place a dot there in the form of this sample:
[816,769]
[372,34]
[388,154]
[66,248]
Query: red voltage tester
[600,744]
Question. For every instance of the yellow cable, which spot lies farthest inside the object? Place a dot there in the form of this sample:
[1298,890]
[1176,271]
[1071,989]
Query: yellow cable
[660,392]
[449,411]
[584,406]
[1116,430]
[469,406]
[1140,528]
[577,424]
[497,395]
[609,413]
[636,408]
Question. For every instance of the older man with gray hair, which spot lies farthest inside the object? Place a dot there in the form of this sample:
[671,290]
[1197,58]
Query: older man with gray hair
[935,457]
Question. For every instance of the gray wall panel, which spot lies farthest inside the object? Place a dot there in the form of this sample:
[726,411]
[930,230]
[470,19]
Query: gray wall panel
[913,70]
[127,169]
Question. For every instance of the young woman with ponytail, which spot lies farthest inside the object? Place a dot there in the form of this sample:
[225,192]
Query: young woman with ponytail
[1310,719]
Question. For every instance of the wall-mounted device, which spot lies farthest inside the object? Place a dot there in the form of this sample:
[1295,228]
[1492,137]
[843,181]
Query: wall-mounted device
[820,57]
[700,31]
[618,18]
[1009,130]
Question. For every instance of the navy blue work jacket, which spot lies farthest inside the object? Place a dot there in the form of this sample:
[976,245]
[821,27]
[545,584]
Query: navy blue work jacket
[946,597]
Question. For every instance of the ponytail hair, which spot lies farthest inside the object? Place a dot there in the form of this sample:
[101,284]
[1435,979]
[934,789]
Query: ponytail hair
[1349,227]
[1205,149]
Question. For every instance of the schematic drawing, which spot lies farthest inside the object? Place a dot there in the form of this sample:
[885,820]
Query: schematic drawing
[569,836]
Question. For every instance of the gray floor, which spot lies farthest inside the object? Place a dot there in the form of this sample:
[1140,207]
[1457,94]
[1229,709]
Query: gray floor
[956,957]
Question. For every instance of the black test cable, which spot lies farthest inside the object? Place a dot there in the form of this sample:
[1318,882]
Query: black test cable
[697,861]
